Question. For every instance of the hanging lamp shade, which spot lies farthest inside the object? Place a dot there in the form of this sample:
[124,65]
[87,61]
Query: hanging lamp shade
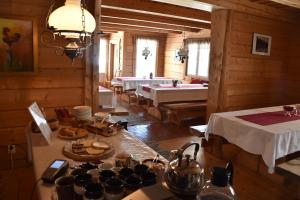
[68,20]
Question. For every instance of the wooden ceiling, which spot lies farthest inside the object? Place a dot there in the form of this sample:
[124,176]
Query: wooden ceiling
[176,16]
[290,5]
[150,16]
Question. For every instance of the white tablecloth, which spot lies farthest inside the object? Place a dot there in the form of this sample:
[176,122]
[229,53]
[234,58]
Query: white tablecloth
[271,141]
[131,83]
[105,97]
[42,154]
[166,93]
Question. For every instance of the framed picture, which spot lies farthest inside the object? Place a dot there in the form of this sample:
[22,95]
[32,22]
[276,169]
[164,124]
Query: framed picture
[261,44]
[18,45]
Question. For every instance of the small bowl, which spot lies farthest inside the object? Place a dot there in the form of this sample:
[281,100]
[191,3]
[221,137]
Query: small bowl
[82,179]
[88,166]
[114,185]
[288,108]
[140,169]
[125,172]
[106,174]
[76,172]
[132,183]
[95,173]
[93,191]
[106,166]
[148,178]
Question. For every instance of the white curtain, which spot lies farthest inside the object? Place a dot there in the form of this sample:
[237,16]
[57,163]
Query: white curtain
[198,58]
[144,67]
[103,55]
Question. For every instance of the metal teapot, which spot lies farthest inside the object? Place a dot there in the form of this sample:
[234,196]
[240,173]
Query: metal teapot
[184,175]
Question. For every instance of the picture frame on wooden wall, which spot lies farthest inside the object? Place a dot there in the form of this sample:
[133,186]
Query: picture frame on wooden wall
[18,45]
[261,44]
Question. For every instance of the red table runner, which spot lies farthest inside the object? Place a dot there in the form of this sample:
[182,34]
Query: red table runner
[268,118]
[146,89]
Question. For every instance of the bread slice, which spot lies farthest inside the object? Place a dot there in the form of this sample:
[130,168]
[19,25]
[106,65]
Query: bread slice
[100,145]
[93,151]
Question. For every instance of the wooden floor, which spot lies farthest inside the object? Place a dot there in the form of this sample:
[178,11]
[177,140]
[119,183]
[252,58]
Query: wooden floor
[248,184]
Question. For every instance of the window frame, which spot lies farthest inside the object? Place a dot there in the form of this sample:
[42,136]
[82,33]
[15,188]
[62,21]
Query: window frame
[198,40]
[135,38]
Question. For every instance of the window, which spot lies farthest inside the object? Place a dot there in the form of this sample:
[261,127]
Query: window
[103,55]
[198,58]
[144,67]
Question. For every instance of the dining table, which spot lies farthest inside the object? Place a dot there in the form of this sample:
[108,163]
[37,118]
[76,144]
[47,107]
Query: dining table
[131,83]
[41,154]
[164,93]
[105,97]
[270,132]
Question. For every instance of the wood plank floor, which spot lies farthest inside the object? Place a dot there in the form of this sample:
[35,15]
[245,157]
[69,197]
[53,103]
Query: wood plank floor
[249,185]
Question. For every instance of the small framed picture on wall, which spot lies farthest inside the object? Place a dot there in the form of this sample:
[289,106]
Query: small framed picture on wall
[261,44]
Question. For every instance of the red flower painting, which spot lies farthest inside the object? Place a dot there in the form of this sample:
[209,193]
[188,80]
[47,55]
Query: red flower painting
[16,45]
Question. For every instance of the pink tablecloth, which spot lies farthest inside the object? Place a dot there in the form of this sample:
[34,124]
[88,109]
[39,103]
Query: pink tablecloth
[148,88]
[137,78]
[103,89]
[268,118]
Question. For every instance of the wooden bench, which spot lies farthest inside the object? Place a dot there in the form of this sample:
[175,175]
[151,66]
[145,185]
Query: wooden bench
[290,170]
[176,112]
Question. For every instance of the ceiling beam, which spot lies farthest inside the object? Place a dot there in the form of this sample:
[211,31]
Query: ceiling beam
[121,14]
[292,3]
[252,8]
[133,28]
[131,22]
[159,8]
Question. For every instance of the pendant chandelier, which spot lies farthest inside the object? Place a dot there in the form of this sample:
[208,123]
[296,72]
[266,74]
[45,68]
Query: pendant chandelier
[182,53]
[146,52]
[69,28]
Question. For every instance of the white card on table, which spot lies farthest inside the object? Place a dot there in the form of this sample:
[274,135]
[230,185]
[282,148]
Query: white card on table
[40,120]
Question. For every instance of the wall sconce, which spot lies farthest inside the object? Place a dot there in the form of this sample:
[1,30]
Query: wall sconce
[146,52]
[181,54]
[74,24]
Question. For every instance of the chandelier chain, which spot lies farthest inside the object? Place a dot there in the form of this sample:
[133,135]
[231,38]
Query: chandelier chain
[82,5]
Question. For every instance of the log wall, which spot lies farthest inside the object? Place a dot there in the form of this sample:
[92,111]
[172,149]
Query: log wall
[292,72]
[56,84]
[248,80]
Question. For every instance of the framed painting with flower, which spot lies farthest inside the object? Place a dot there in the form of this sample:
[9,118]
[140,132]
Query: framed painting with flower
[18,45]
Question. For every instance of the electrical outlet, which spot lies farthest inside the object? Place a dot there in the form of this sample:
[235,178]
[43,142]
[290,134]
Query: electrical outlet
[11,148]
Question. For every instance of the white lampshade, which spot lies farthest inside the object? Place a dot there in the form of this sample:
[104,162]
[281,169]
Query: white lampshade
[69,17]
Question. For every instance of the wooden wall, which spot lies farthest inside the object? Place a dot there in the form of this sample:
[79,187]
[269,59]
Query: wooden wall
[128,50]
[57,83]
[292,72]
[174,68]
[247,80]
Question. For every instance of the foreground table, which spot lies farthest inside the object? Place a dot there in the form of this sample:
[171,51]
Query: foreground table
[131,83]
[43,154]
[271,141]
[163,93]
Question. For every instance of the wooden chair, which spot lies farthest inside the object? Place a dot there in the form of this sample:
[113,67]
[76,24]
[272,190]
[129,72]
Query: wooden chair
[117,88]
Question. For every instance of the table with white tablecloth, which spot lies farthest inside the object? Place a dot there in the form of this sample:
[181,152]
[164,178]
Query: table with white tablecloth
[41,154]
[131,83]
[163,93]
[270,140]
